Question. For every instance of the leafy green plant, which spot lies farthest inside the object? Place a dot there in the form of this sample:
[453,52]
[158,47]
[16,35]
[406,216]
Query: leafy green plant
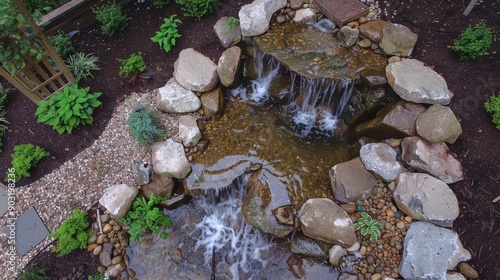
[43,6]
[133,65]
[3,120]
[111,18]
[68,109]
[82,64]
[474,42]
[72,234]
[145,126]
[96,277]
[62,45]
[34,273]
[160,3]
[368,225]
[168,33]
[232,22]
[3,94]
[197,8]
[146,215]
[492,106]
[25,157]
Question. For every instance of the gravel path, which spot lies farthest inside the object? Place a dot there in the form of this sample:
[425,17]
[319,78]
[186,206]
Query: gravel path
[80,182]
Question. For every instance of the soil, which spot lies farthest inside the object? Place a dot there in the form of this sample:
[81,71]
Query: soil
[437,25]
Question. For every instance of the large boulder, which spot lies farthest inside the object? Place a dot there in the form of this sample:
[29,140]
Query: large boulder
[424,197]
[118,199]
[173,98]
[439,124]
[160,186]
[396,120]
[429,251]
[212,102]
[373,29]
[189,132]
[229,34]
[195,72]
[323,219]
[380,158]
[348,36]
[229,67]
[415,82]
[255,17]
[432,158]
[351,181]
[397,39]
[169,159]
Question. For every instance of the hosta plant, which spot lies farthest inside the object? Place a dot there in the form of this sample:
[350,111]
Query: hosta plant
[367,225]
[68,109]
[73,233]
[168,33]
[146,215]
[25,157]
[492,106]
[145,126]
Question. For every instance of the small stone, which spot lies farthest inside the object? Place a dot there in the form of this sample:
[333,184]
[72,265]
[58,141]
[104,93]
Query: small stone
[468,271]
[400,225]
[408,219]
[354,247]
[362,250]
[101,269]
[117,227]
[376,276]
[117,259]
[107,228]
[349,207]
[394,59]
[104,218]
[390,213]
[91,247]
[131,272]
[100,239]
[362,20]
[365,43]
[370,259]
[97,250]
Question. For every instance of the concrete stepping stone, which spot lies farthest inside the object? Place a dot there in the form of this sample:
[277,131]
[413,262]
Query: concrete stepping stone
[29,230]
[342,11]
[4,199]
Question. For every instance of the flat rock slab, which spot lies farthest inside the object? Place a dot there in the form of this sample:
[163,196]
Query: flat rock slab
[4,199]
[29,231]
[342,11]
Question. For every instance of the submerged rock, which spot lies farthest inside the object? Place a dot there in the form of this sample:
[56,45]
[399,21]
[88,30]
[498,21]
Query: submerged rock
[309,247]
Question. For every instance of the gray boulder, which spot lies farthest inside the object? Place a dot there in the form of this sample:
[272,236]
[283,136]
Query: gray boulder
[189,133]
[432,158]
[380,158]
[169,159]
[228,33]
[309,247]
[305,16]
[212,102]
[143,173]
[397,39]
[255,17]
[348,36]
[429,251]
[396,120]
[195,72]
[229,67]
[415,82]
[118,199]
[426,198]
[114,270]
[296,4]
[160,186]
[173,98]
[439,124]
[105,254]
[351,181]
[323,219]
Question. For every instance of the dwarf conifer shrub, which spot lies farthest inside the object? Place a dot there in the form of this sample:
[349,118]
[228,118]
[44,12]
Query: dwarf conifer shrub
[25,157]
[68,109]
[73,233]
[474,42]
[145,126]
[111,18]
[492,106]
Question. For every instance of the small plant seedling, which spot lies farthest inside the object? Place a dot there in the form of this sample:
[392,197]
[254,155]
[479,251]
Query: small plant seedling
[168,33]
[368,225]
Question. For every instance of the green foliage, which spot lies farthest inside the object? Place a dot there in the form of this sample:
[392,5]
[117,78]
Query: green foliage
[68,109]
[145,126]
[133,65]
[111,18]
[34,273]
[72,234]
[43,6]
[160,3]
[81,64]
[3,120]
[3,95]
[233,22]
[96,277]
[62,44]
[168,33]
[25,157]
[492,106]
[474,42]
[17,38]
[146,215]
[197,8]
[368,225]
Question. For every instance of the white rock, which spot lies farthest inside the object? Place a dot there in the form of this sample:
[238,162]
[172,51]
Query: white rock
[173,98]
[255,17]
[380,158]
[189,133]
[195,72]
[118,199]
[335,253]
[305,16]
[169,159]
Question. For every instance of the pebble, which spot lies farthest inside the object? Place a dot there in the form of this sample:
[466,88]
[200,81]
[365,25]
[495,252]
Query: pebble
[393,59]
[349,207]
[362,20]
[467,270]
[365,43]
[117,259]
[101,269]
[97,250]
[376,276]
[389,213]
[107,228]
[91,247]
[400,225]
[408,219]
[354,247]
[362,250]
[100,239]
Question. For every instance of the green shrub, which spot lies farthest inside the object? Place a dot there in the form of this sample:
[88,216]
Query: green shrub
[146,215]
[25,157]
[368,225]
[62,45]
[111,18]
[82,64]
[96,277]
[72,234]
[474,42]
[43,6]
[3,94]
[168,33]
[232,22]
[68,109]
[145,126]
[160,3]
[197,8]
[492,106]
[34,273]
[133,65]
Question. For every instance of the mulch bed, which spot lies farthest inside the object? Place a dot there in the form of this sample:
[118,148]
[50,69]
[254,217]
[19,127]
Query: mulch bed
[437,25]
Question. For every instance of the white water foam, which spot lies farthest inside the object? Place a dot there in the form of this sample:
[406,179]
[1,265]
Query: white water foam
[224,230]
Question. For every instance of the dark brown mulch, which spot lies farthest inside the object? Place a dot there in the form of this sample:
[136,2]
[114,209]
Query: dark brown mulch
[438,24]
